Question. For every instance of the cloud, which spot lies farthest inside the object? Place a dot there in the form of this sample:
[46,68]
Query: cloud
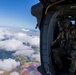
[23,44]
[24,53]
[12,41]
[8,64]
[36,57]
[14,73]
[26,30]
[32,40]
[23,37]
[4,33]
[13,45]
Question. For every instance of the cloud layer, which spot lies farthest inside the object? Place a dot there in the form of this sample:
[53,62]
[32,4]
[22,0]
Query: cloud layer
[8,64]
[36,57]
[23,43]
[24,53]
[11,41]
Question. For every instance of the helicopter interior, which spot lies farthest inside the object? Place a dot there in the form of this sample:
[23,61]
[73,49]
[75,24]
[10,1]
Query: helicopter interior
[71,13]
[48,26]
[64,59]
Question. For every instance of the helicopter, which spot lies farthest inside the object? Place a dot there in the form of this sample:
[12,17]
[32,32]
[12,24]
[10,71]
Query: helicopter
[48,13]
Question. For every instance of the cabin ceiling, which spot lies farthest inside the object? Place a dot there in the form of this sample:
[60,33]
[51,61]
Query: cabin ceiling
[65,1]
[68,10]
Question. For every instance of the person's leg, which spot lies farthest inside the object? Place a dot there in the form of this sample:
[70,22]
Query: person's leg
[72,67]
[56,57]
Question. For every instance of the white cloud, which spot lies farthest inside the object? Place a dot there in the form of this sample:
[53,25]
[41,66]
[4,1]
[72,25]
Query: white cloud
[17,40]
[8,64]
[21,43]
[26,30]
[12,45]
[23,37]
[34,41]
[4,32]
[14,73]
[36,57]
[24,53]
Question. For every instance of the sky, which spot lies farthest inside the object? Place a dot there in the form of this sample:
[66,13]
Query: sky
[17,13]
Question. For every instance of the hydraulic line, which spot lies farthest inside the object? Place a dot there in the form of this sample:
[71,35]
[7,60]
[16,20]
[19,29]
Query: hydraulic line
[49,6]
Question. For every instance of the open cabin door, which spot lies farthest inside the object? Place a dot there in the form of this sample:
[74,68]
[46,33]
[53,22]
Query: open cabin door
[47,32]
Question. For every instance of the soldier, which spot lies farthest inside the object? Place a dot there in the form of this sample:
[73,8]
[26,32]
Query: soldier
[67,41]
[72,46]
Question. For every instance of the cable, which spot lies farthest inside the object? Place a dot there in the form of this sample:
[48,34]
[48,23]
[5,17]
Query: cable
[46,11]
